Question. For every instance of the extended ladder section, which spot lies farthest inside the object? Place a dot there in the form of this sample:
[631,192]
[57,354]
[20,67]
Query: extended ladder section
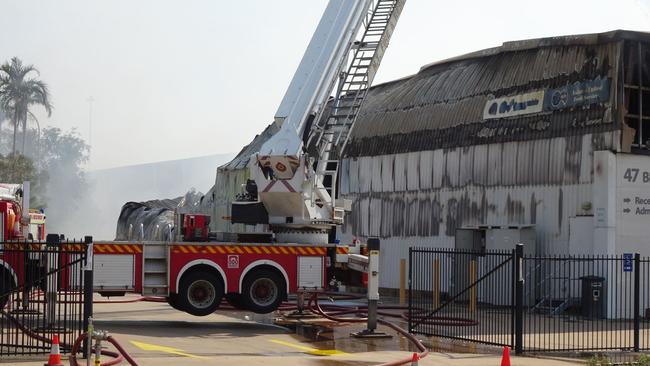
[155,276]
[331,137]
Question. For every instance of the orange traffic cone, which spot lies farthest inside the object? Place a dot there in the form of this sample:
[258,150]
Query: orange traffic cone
[505,359]
[55,355]
[414,359]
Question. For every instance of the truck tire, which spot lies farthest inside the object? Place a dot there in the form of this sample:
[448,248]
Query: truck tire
[172,300]
[6,286]
[263,291]
[236,301]
[200,293]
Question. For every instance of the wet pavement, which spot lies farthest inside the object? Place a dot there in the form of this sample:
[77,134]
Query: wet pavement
[156,334]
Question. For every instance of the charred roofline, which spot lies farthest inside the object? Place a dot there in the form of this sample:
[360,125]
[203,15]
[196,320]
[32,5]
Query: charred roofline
[570,40]
[513,46]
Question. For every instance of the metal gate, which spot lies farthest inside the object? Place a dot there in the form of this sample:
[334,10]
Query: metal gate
[43,293]
[462,295]
[532,303]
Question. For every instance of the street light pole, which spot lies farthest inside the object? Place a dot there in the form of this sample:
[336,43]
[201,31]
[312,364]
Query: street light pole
[90,101]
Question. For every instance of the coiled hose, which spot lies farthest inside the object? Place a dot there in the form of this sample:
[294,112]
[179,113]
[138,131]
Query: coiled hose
[423,351]
[117,357]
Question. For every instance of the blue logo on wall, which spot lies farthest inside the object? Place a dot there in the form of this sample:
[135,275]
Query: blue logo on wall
[580,93]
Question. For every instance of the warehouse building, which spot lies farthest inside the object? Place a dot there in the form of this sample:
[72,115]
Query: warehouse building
[550,135]
[528,134]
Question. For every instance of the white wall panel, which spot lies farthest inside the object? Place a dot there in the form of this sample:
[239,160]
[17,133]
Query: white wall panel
[400,173]
[426,169]
[413,171]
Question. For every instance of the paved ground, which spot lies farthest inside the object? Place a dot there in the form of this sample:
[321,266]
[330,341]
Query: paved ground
[155,334]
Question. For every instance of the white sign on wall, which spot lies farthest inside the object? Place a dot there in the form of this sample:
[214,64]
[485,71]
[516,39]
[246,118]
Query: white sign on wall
[514,105]
[632,203]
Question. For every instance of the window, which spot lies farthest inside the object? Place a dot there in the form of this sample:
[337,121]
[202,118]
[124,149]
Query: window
[636,76]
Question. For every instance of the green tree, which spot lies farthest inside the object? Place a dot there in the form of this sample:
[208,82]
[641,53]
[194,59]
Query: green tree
[53,163]
[16,168]
[19,91]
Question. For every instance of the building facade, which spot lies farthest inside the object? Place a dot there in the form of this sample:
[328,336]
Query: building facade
[545,133]
[516,135]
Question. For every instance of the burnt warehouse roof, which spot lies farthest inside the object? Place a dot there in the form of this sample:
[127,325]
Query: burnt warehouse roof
[521,90]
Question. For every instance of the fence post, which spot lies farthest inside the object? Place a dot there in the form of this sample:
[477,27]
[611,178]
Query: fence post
[53,246]
[472,291]
[519,299]
[410,282]
[88,292]
[402,281]
[637,289]
[436,282]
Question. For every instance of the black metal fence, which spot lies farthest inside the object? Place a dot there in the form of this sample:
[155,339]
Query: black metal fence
[579,303]
[42,293]
[462,295]
[531,303]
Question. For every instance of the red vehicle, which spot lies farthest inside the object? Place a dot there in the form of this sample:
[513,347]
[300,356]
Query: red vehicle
[195,277]
[290,195]
[17,227]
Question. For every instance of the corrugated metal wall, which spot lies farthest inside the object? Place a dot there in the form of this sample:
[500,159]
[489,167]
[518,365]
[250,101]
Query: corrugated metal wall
[420,198]
[423,161]
[442,106]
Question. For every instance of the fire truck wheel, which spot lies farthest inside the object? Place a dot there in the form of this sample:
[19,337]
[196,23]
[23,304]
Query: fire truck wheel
[6,286]
[172,300]
[200,293]
[263,291]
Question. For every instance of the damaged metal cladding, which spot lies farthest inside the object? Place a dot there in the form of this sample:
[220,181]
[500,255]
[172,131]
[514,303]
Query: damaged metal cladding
[154,220]
[500,137]
[231,177]
[145,218]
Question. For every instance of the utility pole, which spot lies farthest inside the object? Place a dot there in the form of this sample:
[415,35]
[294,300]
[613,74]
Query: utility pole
[90,101]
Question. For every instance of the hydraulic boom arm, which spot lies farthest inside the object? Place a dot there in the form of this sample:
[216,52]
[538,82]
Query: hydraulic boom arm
[296,191]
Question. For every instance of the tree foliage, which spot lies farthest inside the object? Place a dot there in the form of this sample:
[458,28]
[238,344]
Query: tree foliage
[19,91]
[15,168]
[53,164]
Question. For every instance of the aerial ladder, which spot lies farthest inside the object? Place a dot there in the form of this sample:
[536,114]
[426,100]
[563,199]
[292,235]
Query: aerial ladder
[293,177]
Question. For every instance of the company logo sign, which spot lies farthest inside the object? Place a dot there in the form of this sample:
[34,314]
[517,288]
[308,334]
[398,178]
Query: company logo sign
[578,94]
[515,105]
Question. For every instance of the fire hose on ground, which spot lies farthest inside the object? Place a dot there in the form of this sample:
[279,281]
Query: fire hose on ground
[329,311]
[423,351]
[333,313]
[102,336]
[117,357]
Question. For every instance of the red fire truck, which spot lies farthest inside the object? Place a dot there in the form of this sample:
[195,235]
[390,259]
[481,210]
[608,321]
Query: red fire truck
[195,276]
[18,226]
[291,193]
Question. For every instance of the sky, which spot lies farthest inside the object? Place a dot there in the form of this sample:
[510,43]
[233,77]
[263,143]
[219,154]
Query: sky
[178,79]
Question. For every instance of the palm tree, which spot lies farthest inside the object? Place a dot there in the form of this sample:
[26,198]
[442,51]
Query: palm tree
[19,91]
